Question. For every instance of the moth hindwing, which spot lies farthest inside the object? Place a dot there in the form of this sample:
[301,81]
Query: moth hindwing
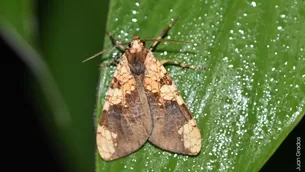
[142,104]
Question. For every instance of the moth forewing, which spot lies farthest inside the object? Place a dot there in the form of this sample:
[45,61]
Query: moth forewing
[174,128]
[125,123]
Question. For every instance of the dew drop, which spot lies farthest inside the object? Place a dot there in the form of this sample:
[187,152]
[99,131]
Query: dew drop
[279,28]
[253,4]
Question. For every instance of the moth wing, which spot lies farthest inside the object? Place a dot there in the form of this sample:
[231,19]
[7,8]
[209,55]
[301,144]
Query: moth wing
[125,122]
[174,129]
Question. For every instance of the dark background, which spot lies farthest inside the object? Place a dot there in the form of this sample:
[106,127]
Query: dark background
[61,34]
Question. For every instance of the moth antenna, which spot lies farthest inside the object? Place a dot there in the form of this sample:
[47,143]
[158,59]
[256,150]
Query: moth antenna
[167,40]
[101,52]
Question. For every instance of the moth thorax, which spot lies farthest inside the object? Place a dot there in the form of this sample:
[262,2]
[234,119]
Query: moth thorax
[136,46]
[136,63]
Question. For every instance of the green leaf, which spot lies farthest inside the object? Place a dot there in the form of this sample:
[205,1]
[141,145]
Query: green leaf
[251,97]
[16,15]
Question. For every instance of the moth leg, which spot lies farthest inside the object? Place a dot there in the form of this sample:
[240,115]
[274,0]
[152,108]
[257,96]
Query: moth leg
[116,43]
[114,62]
[121,48]
[163,34]
[181,65]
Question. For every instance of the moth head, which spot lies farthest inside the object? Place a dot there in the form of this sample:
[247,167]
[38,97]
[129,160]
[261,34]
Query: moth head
[136,45]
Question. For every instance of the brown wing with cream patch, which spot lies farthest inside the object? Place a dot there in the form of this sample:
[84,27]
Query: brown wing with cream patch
[125,123]
[174,129]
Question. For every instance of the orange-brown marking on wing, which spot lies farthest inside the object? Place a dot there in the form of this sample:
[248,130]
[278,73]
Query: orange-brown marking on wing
[122,83]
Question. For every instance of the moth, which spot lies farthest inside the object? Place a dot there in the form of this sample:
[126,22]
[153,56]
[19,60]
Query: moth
[142,104]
